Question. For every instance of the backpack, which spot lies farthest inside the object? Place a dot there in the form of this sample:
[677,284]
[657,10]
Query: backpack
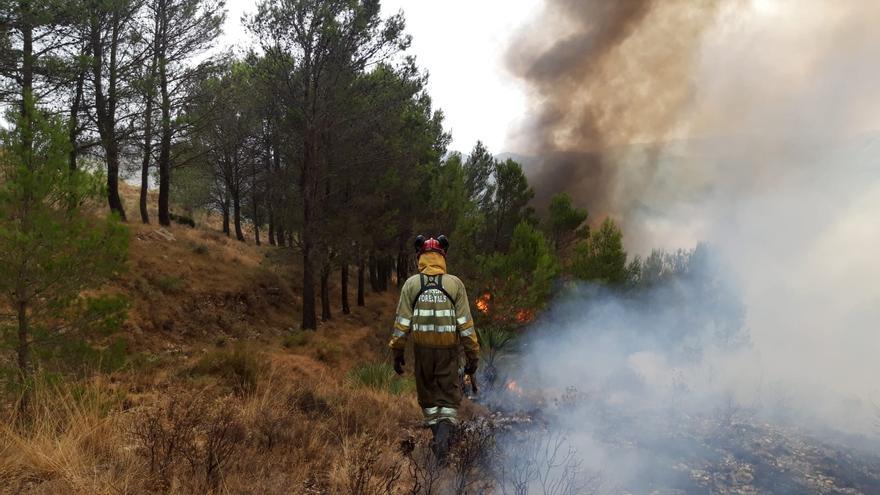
[429,282]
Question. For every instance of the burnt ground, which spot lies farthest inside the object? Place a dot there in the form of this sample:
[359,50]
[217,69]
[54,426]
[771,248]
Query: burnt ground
[668,453]
[704,455]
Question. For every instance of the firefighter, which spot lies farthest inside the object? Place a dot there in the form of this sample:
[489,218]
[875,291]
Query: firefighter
[435,310]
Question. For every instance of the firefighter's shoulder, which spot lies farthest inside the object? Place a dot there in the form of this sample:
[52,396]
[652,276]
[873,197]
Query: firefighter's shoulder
[413,280]
[451,280]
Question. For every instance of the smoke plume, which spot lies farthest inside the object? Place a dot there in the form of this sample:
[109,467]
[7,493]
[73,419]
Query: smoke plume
[605,75]
[750,125]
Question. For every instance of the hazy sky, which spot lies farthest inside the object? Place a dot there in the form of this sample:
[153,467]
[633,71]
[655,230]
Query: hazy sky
[461,43]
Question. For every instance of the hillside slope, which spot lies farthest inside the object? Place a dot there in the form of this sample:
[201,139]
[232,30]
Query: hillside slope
[220,390]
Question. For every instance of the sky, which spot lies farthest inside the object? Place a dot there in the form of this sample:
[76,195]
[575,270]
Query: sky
[461,44]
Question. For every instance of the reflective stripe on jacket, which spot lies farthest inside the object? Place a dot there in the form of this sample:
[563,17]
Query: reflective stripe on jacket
[435,320]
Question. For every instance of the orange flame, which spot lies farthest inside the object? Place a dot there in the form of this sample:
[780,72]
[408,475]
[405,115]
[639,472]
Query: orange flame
[524,315]
[512,386]
[483,303]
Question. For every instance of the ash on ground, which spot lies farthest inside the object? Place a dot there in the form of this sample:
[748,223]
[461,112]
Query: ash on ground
[670,453]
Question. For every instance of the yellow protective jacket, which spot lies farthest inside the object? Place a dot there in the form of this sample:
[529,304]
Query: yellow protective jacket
[435,310]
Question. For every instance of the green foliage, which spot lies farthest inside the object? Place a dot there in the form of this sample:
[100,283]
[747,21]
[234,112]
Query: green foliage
[50,249]
[601,258]
[183,220]
[239,367]
[520,280]
[297,338]
[193,184]
[510,204]
[494,342]
[453,212]
[379,376]
[170,284]
[78,357]
[479,169]
[327,351]
[564,220]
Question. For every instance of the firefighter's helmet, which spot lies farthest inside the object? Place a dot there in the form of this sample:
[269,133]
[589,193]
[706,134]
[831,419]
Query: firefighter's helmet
[438,245]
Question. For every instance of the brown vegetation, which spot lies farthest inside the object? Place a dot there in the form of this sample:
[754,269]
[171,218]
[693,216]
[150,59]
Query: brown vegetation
[221,393]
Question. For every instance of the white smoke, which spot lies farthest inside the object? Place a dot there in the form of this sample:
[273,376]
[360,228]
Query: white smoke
[775,164]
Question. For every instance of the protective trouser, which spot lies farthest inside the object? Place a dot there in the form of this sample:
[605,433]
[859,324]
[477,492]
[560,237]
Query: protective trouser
[437,385]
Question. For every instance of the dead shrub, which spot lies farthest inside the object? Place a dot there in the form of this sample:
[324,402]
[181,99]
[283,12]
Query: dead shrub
[189,435]
[424,472]
[166,435]
[223,434]
[543,462]
[309,403]
[239,367]
[366,470]
[472,454]
[273,426]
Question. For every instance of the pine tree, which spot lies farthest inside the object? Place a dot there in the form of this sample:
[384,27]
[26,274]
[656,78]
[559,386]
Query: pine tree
[520,281]
[50,249]
[601,257]
[563,221]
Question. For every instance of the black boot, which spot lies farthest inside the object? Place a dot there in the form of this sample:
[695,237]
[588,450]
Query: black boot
[442,436]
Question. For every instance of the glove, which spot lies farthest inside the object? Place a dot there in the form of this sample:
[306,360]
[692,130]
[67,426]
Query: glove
[399,361]
[471,367]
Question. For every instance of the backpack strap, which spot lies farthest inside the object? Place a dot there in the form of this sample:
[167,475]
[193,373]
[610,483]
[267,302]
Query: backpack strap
[429,282]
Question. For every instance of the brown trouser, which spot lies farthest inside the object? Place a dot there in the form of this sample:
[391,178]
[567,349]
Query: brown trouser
[436,371]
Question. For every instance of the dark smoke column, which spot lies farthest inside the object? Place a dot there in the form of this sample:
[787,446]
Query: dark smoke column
[614,75]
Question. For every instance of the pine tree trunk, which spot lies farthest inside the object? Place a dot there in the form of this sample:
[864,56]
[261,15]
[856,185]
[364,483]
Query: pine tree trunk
[280,238]
[361,282]
[374,273]
[105,109]
[382,273]
[236,213]
[145,163]
[309,316]
[27,75]
[344,288]
[402,268]
[165,150]
[226,217]
[113,198]
[271,232]
[24,365]
[325,293]
[148,124]
[73,129]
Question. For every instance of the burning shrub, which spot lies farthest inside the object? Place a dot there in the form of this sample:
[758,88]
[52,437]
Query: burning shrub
[482,303]
[521,280]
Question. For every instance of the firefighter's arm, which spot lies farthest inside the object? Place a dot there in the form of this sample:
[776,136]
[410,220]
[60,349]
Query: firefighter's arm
[465,324]
[403,319]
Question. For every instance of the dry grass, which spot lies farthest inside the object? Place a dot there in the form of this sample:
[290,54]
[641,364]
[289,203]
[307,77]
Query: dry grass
[283,420]
[73,442]
[81,440]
